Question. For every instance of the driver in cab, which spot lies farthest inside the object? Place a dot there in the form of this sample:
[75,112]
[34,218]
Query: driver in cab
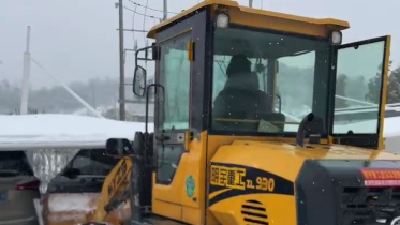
[240,105]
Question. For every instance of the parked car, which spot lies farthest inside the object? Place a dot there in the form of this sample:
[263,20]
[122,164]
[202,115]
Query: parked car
[74,193]
[18,189]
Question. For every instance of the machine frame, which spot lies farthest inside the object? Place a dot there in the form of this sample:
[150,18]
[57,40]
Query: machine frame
[199,144]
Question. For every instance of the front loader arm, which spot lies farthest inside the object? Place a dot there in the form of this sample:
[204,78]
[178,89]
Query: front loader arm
[115,190]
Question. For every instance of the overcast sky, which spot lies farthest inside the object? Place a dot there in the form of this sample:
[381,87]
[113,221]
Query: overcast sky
[77,39]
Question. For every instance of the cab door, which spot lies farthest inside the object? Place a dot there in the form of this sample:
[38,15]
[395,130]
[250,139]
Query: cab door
[172,120]
[360,97]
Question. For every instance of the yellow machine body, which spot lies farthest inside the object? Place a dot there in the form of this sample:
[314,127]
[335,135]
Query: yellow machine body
[270,184]
[238,178]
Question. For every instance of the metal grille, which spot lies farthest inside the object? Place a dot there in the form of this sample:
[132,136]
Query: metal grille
[253,212]
[370,206]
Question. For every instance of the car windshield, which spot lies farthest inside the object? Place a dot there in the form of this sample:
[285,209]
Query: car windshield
[92,162]
[14,163]
[265,82]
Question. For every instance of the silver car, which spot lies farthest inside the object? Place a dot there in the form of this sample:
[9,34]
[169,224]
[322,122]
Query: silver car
[18,189]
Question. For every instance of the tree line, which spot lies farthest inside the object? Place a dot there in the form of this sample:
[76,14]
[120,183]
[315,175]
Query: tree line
[96,92]
[368,90]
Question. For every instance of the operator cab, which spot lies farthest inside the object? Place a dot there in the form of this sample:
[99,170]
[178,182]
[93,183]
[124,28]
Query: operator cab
[233,77]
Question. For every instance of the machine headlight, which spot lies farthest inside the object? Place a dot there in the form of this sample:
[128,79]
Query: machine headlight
[222,20]
[336,38]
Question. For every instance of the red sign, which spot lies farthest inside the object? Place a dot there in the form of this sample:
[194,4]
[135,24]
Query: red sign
[381,177]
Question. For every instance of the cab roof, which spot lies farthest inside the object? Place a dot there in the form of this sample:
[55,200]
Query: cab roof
[339,24]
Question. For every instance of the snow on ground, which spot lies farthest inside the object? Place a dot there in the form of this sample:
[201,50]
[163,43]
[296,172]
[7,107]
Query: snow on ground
[33,132]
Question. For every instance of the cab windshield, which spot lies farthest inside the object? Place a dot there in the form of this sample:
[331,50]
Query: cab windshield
[266,82]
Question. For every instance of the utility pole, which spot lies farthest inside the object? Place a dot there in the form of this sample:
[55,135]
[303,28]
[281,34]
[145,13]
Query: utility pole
[251,3]
[165,11]
[121,63]
[23,109]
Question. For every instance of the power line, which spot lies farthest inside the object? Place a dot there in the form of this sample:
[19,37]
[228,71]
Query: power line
[151,9]
[125,7]
[76,96]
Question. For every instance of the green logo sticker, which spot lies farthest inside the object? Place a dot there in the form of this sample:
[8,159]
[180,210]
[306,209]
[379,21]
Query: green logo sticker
[190,186]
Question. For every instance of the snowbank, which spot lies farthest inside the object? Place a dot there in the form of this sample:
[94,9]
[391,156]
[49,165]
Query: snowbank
[34,132]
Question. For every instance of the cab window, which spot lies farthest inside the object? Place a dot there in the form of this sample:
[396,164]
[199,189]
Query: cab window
[358,88]
[265,82]
[175,77]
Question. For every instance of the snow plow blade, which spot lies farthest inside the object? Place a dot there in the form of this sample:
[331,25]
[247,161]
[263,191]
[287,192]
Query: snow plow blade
[72,209]
[111,205]
[68,209]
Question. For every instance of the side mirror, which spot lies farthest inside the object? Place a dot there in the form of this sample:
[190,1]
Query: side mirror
[139,81]
[119,147]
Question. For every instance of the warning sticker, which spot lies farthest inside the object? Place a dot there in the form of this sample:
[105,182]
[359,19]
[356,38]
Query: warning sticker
[381,177]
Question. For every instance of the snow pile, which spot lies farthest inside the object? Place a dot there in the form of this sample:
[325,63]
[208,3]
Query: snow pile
[74,208]
[71,208]
[76,202]
[34,132]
